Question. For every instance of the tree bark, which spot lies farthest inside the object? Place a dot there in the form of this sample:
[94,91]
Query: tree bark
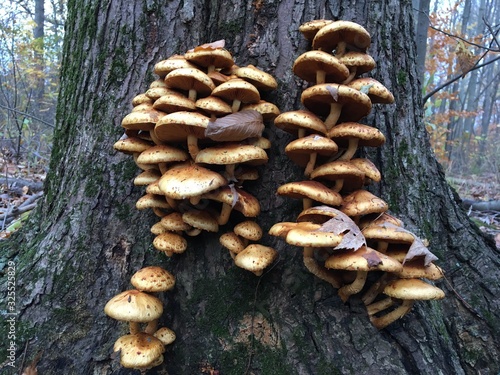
[86,239]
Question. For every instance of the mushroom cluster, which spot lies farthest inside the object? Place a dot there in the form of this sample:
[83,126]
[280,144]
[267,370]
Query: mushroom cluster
[143,347]
[197,135]
[347,236]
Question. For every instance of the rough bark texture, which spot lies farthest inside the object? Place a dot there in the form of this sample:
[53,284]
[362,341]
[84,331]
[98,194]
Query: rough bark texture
[86,239]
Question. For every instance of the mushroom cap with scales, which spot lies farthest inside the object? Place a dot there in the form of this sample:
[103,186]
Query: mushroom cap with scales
[131,145]
[368,168]
[249,230]
[162,154]
[345,175]
[174,102]
[255,258]
[134,306]
[165,335]
[300,123]
[305,151]
[362,202]
[237,91]
[194,81]
[234,198]
[170,243]
[140,351]
[310,191]
[210,58]
[358,63]
[336,103]
[153,279]
[202,220]
[174,62]
[378,93]
[142,120]
[261,80]
[320,67]
[188,181]
[344,34]
[362,261]
[351,135]
[232,153]
[177,126]
[310,28]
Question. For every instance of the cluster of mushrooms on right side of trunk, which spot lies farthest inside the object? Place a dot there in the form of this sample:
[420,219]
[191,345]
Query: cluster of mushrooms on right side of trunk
[196,134]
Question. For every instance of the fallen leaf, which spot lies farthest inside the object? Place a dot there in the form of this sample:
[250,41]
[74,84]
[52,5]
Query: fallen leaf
[236,126]
[334,91]
[418,248]
[372,258]
[213,45]
[343,224]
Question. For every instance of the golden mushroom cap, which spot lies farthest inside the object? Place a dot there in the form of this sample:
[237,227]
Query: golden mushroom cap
[134,306]
[153,279]
[255,258]
[140,351]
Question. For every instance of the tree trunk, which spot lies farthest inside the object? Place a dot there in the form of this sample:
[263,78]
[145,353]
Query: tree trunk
[86,239]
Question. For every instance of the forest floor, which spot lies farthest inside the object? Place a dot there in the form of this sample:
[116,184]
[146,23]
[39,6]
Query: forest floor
[22,186]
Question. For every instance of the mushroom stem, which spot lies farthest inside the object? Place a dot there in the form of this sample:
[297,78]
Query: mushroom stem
[307,203]
[320,76]
[340,50]
[333,116]
[351,149]
[151,327]
[338,185]
[317,270]
[192,143]
[352,73]
[348,290]
[192,94]
[134,328]
[378,306]
[375,289]
[193,232]
[236,105]
[384,320]
[230,172]
[225,213]
[301,133]
[310,164]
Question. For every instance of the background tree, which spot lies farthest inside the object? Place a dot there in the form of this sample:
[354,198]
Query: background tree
[86,238]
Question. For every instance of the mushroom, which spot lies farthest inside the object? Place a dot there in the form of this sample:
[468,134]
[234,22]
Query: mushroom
[232,242]
[160,155]
[170,243]
[231,155]
[342,36]
[210,58]
[361,261]
[261,80]
[194,81]
[153,279]
[248,230]
[200,220]
[320,67]
[190,182]
[174,102]
[310,191]
[350,135]
[165,335]
[304,151]
[310,28]
[357,64]
[377,92]
[234,198]
[345,175]
[407,290]
[140,351]
[183,125]
[337,103]
[362,202]
[135,307]
[299,123]
[237,91]
[255,258]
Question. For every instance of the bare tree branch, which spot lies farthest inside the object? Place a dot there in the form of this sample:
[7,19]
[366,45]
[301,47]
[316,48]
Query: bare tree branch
[27,115]
[447,83]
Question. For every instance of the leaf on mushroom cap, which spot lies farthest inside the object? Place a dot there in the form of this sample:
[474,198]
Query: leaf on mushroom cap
[212,45]
[236,126]
[343,224]
[418,248]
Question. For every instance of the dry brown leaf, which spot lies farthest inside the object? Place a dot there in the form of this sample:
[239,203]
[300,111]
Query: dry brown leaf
[343,224]
[372,258]
[213,45]
[236,126]
[31,369]
[418,248]
[334,91]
